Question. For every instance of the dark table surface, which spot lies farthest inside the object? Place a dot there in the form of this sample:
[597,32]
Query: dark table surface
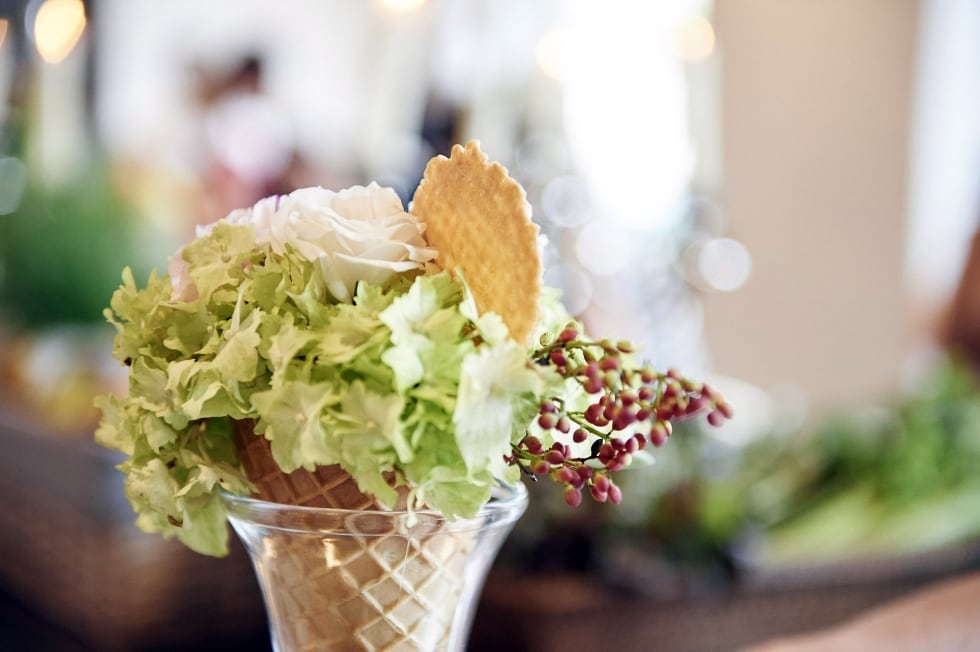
[24,630]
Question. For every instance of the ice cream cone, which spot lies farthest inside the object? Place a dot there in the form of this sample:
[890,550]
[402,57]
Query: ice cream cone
[326,486]
[364,578]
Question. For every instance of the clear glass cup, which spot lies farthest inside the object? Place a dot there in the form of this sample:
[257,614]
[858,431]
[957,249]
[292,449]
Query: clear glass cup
[336,579]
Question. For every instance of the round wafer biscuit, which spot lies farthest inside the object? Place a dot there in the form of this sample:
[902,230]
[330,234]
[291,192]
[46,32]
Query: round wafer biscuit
[478,219]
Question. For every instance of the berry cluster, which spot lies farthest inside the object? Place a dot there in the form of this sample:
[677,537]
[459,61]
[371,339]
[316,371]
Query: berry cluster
[628,407]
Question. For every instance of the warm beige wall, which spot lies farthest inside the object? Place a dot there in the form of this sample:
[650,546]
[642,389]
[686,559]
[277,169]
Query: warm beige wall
[815,109]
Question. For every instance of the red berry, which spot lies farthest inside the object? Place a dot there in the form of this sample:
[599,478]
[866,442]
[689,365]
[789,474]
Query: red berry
[606,453]
[540,467]
[547,421]
[533,445]
[555,457]
[593,386]
[615,464]
[695,405]
[725,408]
[598,496]
[624,419]
[609,364]
[573,497]
[615,494]
[567,475]
[601,482]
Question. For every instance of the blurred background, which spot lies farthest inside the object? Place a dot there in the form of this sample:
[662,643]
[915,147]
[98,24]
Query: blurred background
[780,195]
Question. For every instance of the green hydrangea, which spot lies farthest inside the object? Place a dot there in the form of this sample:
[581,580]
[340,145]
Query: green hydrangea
[406,379]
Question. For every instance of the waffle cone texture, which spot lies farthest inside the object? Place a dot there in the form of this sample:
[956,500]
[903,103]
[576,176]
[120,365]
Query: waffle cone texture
[326,486]
[359,579]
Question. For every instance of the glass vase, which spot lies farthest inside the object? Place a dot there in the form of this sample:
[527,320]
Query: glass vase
[338,580]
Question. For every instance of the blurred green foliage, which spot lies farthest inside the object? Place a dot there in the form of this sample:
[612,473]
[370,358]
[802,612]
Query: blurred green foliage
[892,479]
[63,247]
[877,480]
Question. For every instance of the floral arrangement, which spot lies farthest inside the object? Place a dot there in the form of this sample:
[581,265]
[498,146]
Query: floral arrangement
[326,319]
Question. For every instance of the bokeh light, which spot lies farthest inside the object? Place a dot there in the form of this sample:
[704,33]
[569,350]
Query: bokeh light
[724,264]
[565,201]
[401,6]
[694,38]
[57,27]
[552,54]
[601,248]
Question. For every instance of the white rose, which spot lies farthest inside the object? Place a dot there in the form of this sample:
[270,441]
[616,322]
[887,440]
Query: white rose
[357,234]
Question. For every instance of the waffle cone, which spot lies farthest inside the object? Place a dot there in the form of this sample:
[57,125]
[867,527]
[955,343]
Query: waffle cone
[362,581]
[325,486]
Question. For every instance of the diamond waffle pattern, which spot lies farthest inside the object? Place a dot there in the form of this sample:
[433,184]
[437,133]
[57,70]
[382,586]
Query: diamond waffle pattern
[326,486]
[367,588]
[348,591]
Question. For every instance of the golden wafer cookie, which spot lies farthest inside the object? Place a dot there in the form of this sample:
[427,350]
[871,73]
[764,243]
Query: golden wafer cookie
[478,219]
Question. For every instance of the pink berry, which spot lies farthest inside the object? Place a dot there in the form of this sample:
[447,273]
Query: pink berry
[540,467]
[533,445]
[609,364]
[725,408]
[615,494]
[558,358]
[547,421]
[597,495]
[585,472]
[555,457]
[593,386]
[601,482]
[659,433]
[566,475]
